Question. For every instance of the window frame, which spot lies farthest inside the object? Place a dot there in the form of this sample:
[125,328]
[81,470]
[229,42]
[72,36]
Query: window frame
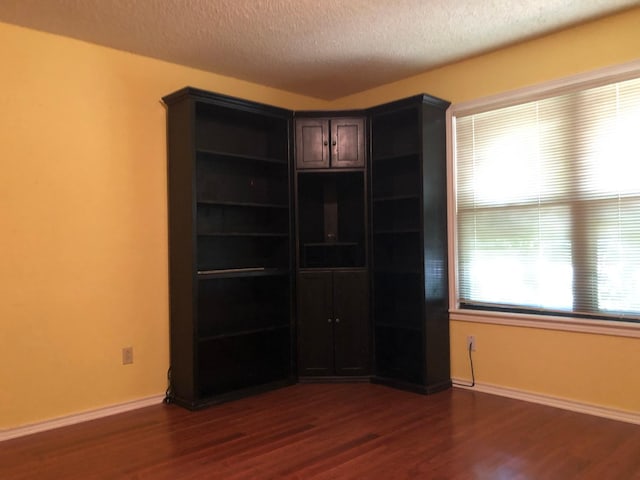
[568,322]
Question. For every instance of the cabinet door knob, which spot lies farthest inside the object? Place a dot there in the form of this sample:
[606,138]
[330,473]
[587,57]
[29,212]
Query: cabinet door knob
[334,143]
[329,320]
[337,320]
[325,143]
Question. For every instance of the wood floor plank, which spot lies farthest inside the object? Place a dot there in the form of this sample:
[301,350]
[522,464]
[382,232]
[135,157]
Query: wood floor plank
[329,432]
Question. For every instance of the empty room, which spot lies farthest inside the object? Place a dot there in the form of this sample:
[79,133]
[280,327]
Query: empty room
[251,239]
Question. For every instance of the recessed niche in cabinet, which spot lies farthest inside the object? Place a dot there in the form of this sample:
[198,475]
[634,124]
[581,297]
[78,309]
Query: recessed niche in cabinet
[396,179]
[238,362]
[240,305]
[396,135]
[240,132]
[331,219]
[397,215]
[221,178]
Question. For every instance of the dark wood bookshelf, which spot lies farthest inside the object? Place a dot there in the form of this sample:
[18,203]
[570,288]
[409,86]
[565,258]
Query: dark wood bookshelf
[230,247]
[305,246]
[410,302]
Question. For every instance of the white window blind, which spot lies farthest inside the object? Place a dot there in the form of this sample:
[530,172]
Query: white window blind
[548,204]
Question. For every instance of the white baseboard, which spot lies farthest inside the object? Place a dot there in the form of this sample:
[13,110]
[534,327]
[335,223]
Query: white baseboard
[565,404]
[79,417]
[605,412]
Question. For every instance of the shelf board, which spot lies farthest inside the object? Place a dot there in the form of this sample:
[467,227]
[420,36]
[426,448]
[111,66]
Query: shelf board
[242,333]
[330,244]
[398,231]
[397,327]
[225,203]
[241,272]
[333,269]
[395,156]
[396,198]
[329,170]
[244,234]
[396,271]
[239,156]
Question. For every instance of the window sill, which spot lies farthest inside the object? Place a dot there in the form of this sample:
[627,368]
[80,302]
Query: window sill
[548,322]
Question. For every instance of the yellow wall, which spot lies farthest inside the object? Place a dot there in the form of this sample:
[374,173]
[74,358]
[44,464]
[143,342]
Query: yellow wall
[593,369]
[84,221]
[587,368]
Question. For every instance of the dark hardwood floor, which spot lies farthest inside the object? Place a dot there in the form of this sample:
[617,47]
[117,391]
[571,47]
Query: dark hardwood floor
[355,431]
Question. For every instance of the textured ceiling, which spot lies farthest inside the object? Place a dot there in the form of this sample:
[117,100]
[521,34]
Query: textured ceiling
[325,49]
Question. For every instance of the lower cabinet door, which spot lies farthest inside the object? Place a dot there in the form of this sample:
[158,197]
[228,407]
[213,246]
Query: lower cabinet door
[351,323]
[315,324]
[333,324]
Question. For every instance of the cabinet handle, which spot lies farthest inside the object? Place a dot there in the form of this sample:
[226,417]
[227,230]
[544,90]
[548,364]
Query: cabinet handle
[329,320]
[325,143]
[337,320]
[334,143]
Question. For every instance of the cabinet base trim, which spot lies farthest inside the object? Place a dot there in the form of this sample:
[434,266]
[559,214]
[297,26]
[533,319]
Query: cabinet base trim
[76,418]
[227,397]
[412,387]
[336,379]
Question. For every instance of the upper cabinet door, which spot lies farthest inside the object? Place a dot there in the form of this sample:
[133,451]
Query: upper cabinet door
[312,143]
[347,142]
[330,143]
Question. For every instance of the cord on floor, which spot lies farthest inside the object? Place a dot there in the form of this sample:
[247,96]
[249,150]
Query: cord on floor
[473,376]
[168,394]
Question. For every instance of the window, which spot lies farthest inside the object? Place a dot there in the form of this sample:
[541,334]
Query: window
[547,204]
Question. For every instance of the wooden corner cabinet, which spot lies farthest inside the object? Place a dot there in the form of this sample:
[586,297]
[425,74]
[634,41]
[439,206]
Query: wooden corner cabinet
[331,187]
[230,270]
[305,246]
[409,230]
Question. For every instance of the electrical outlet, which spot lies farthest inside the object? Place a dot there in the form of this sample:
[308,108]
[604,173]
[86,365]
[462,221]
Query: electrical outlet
[471,342]
[127,355]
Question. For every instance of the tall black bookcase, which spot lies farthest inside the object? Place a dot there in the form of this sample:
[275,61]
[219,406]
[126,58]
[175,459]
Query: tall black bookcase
[354,200]
[409,237]
[230,275]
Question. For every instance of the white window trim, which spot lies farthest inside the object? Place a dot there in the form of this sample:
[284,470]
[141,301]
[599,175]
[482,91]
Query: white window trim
[594,78]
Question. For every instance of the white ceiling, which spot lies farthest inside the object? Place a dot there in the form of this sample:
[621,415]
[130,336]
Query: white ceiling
[325,49]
